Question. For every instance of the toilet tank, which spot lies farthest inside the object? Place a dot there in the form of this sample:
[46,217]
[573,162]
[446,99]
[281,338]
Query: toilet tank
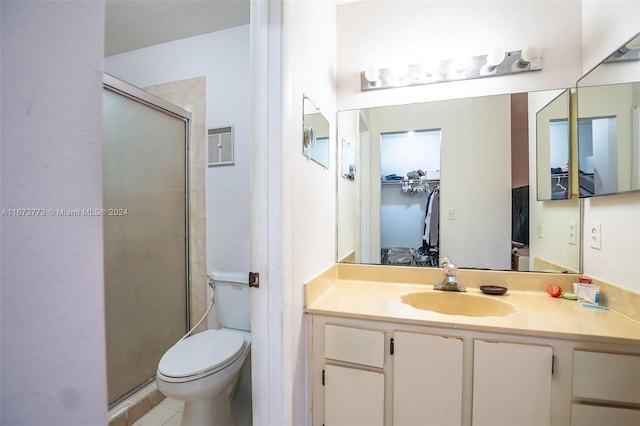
[233,299]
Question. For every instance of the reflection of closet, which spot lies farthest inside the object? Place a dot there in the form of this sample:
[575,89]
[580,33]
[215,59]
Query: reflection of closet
[409,168]
[402,233]
[560,186]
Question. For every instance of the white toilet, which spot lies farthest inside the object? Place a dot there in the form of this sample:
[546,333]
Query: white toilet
[203,369]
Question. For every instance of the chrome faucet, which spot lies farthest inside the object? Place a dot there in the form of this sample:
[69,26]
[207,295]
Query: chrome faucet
[450,282]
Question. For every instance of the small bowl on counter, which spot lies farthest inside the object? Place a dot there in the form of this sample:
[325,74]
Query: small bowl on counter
[494,290]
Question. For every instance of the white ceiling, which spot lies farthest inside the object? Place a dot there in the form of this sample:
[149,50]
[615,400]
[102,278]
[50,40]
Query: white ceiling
[134,24]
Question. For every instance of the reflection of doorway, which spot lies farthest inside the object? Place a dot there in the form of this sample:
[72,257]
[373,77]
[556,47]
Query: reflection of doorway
[520,180]
[410,170]
[559,158]
[598,156]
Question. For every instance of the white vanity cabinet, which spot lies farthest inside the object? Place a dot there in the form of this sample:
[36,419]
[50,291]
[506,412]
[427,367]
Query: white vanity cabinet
[377,372]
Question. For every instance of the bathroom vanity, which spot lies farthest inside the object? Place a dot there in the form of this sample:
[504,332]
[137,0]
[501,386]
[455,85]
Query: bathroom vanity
[376,360]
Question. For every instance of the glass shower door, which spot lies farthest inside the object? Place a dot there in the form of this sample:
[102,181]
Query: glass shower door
[145,238]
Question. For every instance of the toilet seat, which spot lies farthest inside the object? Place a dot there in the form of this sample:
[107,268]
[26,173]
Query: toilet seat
[200,355]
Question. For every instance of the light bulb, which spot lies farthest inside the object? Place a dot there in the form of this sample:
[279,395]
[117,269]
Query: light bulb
[529,55]
[461,63]
[495,58]
[429,67]
[399,72]
[372,74]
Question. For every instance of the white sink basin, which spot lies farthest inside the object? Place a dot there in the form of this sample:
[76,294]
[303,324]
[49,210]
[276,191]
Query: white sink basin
[455,303]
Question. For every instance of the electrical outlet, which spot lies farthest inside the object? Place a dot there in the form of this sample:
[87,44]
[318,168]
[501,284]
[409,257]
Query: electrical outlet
[596,236]
[572,232]
[451,214]
[541,229]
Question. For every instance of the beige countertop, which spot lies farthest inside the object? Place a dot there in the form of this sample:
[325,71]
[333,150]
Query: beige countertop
[536,313]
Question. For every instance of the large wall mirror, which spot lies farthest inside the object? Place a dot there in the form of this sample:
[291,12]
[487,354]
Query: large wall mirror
[609,124]
[458,192]
[552,150]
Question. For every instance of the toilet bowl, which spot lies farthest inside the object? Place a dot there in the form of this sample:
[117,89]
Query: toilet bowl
[203,369]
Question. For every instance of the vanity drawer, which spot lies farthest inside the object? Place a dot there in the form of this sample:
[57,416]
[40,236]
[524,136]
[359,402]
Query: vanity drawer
[592,415]
[609,377]
[355,345]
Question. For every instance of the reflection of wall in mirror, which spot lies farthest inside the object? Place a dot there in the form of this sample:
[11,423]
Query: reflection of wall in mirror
[348,210]
[348,160]
[635,142]
[559,158]
[612,162]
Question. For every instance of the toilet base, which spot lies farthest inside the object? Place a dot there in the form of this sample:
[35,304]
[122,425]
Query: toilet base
[211,411]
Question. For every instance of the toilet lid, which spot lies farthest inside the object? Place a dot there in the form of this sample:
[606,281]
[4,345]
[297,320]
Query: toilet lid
[201,352]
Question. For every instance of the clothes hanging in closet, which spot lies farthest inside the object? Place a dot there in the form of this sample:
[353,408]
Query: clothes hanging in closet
[431,234]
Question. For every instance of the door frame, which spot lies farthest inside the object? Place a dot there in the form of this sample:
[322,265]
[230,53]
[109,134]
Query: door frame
[267,228]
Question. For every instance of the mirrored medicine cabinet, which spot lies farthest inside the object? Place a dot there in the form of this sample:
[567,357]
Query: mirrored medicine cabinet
[608,100]
[553,162]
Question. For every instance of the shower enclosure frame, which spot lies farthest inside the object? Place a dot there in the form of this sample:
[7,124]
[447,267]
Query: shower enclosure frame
[137,94]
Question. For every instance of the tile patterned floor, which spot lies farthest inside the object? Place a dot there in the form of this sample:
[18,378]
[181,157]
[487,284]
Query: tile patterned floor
[167,413]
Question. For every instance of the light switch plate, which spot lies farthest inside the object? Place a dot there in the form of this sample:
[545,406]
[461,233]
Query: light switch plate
[451,214]
[572,231]
[541,229]
[596,236]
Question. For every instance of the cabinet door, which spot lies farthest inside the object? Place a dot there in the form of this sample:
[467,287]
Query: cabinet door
[511,384]
[353,397]
[427,380]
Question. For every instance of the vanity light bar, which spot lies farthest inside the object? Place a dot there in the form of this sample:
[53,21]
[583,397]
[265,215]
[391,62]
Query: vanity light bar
[449,70]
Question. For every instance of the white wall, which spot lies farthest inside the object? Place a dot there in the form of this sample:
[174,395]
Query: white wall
[223,58]
[52,302]
[309,213]
[605,26]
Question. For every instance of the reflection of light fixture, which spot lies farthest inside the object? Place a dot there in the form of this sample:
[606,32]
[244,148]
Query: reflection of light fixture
[628,52]
[309,137]
[495,63]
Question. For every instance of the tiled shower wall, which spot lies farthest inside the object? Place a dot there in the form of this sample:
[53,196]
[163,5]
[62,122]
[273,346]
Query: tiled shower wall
[190,95]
